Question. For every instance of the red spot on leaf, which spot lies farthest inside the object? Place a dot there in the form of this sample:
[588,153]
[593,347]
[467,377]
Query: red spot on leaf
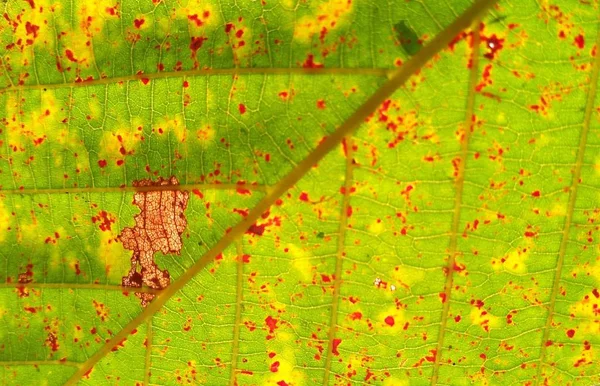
[579,41]
[196,44]
[389,321]
[442,296]
[274,367]
[271,323]
[70,56]
[303,197]
[570,333]
[356,316]
[535,193]
[145,80]
[102,163]
[334,347]
[310,62]
[242,108]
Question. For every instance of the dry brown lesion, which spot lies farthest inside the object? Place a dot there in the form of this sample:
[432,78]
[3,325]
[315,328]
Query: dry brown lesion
[158,228]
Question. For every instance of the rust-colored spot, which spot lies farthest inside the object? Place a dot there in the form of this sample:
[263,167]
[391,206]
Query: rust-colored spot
[158,228]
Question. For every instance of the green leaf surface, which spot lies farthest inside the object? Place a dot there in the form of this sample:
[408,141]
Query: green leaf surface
[379,193]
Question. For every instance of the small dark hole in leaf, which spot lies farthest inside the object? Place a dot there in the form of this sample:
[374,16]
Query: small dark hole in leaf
[320,235]
[407,37]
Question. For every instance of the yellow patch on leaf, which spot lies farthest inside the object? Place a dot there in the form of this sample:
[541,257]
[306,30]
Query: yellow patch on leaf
[328,16]
[205,135]
[515,260]
[407,276]
[175,125]
[113,255]
[4,219]
[302,261]
[481,317]
[584,310]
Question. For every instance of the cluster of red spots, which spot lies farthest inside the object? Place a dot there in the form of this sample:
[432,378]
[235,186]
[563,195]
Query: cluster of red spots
[241,190]
[486,78]
[27,276]
[289,143]
[199,20]
[112,11]
[310,62]
[52,341]
[428,358]
[52,240]
[549,94]
[509,317]
[235,38]
[104,220]
[251,326]
[442,296]
[101,310]
[32,29]
[274,367]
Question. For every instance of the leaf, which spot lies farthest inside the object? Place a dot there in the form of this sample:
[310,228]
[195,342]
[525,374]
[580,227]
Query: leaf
[354,215]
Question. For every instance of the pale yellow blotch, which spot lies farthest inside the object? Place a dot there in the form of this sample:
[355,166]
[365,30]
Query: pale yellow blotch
[584,311]
[110,146]
[479,319]
[325,14]
[500,118]
[175,125]
[376,227]
[205,135]
[302,261]
[558,210]
[4,219]
[96,9]
[515,260]
[407,275]
[597,166]
[199,7]
[595,269]
[112,254]
[392,381]
[41,17]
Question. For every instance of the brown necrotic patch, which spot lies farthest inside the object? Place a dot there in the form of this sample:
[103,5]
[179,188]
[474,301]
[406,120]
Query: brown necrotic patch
[158,228]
